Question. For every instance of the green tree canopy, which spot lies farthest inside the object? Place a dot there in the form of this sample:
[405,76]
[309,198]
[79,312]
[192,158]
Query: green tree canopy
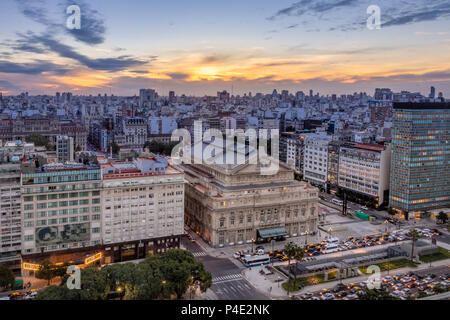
[6,277]
[157,277]
[443,217]
[39,141]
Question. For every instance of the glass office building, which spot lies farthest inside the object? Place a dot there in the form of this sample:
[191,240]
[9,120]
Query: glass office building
[420,162]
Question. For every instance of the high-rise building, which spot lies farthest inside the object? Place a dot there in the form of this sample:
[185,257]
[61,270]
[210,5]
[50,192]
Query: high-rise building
[315,158]
[65,149]
[364,171]
[61,211]
[10,216]
[432,93]
[142,208]
[420,167]
[172,96]
[147,97]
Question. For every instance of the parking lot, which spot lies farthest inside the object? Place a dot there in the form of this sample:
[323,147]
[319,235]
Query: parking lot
[405,286]
[350,243]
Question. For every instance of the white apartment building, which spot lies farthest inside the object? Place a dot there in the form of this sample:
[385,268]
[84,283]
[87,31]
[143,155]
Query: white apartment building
[142,203]
[121,210]
[135,132]
[10,216]
[365,170]
[315,160]
[61,209]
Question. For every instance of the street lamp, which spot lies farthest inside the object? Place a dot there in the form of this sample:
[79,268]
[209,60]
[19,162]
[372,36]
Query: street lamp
[253,240]
[306,238]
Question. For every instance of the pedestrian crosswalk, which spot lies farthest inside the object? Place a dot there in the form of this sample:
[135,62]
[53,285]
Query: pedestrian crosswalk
[229,277]
[199,254]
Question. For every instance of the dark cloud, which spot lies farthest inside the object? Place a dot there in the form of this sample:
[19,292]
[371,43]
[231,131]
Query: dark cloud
[282,63]
[214,58]
[312,6]
[393,12]
[66,51]
[178,75]
[414,17]
[92,29]
[36,67]
[6,85]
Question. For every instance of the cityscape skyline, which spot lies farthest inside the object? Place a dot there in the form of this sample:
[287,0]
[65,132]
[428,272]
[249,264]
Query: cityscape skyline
[193,49]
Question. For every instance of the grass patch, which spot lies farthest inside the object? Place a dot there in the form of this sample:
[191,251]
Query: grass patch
[293,286]
[441,255]
[395,264]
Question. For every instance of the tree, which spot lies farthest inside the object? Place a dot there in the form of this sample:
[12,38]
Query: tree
[290,250]
[6,277]
[39,141]
[376,294]
[443,217]
[160,148]
[180,271]
[115,148]
[414,234]
[157,277]
[298,256]
[47,271]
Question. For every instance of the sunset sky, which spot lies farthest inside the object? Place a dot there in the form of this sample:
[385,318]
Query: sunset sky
[198,47]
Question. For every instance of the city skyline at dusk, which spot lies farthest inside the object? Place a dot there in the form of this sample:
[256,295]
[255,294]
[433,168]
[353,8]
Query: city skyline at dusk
[202,47]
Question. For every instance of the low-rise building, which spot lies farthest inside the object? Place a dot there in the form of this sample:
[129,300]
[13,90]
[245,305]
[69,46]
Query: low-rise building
[235,204]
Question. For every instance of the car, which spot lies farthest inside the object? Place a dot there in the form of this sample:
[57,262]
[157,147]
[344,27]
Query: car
[342,294]
[387,279]
[405,279]
[364,208]
[429,292]
[327,296]
[395,293]
[323,291]
[306,295]
[236,255]
[259,248]
[314,298]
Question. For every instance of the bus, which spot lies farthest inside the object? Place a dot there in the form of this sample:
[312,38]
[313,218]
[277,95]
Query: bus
[330,248]
[252,261]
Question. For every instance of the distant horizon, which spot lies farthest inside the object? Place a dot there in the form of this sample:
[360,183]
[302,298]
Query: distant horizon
[267,92]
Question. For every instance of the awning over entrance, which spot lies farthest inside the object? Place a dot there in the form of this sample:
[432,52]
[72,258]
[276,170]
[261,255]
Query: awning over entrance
[272,232]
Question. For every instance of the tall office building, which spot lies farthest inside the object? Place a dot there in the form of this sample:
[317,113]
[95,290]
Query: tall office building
[432,93]
[65,149]
[10,215]
[420,167]
[60,211]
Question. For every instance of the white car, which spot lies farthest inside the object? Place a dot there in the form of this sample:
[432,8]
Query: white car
[236,255]
[327,296]
[364,208]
